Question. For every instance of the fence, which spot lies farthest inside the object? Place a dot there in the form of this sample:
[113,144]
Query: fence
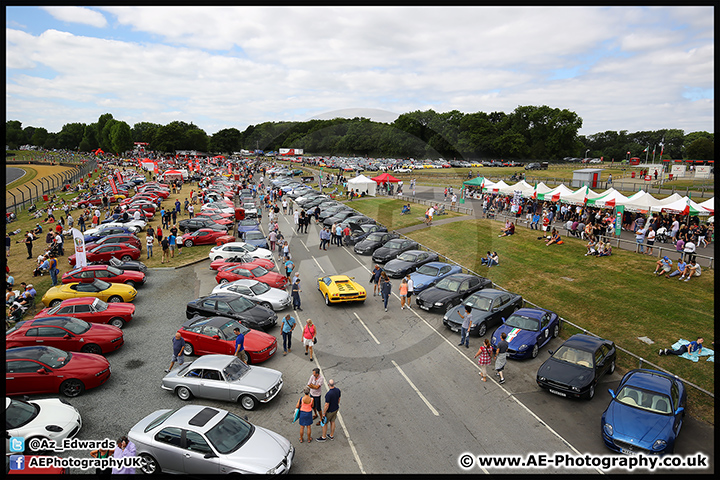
[448,206]
[29,192]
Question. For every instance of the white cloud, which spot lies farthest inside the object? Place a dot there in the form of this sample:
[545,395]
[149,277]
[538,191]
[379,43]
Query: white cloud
[81,15]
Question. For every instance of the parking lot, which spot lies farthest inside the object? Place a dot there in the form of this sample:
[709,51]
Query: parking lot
[412,400]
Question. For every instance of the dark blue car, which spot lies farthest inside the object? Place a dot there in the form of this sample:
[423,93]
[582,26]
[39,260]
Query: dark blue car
[528,330]
[104,232]
[247,225]
[429,274]
[646,414]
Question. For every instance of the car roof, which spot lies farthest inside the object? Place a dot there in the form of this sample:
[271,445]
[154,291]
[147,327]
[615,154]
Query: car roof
[213,360]
[79,300]
[33,352]
[582,341]
[248,282]
[489,292]
[461,276]
[532,312]
[58,321]
[437,264]
[649,379]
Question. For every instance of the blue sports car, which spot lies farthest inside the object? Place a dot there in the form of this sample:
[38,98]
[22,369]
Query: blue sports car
[646,413]
[247,225]
[255,237]
[527,330]
[429,274]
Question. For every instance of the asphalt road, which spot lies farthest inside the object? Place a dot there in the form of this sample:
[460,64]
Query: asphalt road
[12,174]
[412,400]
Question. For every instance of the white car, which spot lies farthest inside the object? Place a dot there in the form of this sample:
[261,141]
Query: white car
[134,226]
[233,249]
[266,296]
[222,206]
[197,440]
[42,419]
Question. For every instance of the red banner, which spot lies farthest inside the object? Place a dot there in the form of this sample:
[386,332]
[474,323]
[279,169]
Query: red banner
[112,184]
[119,177]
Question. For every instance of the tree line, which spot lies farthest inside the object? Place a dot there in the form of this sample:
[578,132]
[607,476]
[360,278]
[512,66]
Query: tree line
[527,133]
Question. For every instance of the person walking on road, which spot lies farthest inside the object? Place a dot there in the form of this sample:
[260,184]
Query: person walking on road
[178,350]
[501,357]
[466,326]
[295,293]
[315,385]
[305,419]
[165,250]
[485,353]
[375,279]
[240,345]
[403,293]
[411,289]
[288,325]
[332,405]
[385,289]
[309,337]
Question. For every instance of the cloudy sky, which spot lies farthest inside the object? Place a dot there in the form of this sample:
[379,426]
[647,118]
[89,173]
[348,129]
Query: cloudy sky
[618,68]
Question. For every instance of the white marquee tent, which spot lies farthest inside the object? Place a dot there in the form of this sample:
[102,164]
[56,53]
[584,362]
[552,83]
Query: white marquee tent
[361,183]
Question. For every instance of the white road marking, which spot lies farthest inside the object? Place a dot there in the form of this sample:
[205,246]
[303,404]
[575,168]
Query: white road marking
[422,397]
[366,328]
[316,263]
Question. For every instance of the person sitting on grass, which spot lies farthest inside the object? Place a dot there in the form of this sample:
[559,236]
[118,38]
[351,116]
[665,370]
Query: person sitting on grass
[592,247]
[554,238]
[508,230]
[680,269]
[606,251]
[664,265]
[405,209]
[691,269]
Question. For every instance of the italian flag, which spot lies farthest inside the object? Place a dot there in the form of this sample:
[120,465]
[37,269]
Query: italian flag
[513,333]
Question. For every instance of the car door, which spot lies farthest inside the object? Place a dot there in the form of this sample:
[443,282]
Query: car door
[207,307]
[195,449]
[507,306]
[206,341]
[84,312]
[213,384]
[544,333]
[168,450]
[497,311]
[21,377]
[55,337]
[242,273]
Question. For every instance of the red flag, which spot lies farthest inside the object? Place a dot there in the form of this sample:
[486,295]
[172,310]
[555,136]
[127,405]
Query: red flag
[112,184]
[119,177]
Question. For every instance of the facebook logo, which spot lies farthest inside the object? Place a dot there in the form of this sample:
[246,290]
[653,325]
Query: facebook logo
[17,444]
[17,462]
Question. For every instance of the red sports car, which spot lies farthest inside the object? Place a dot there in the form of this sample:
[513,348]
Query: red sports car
[225,263]
[93,200]
[104,272]
[203,236]
[155,191]
[206,213]
[104,253]
[252,271]
[66,333]
[126,238]
[141,197]
[39,369]
[215,335]
[92,310]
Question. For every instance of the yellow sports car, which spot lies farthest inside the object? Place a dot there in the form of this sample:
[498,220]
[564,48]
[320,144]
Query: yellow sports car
[340,288]
[109,292]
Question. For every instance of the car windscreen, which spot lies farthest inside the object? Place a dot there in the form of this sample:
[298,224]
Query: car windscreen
[101,284]
[77,326]
[250,247]
[393,244]
[52,357]
[254,235]
[20,413]
[240,304]
[574,356]
[407,257]
[523,322]
[375,237]
[449,284]
[428,270]
[644,399]
[235,370]
[479,303]
[114,270]
[258,271]
[99,305]
[229,434]
[259,288]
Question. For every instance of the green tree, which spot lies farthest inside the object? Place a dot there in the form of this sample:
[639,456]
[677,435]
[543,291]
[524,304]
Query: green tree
[71,135]
[701,149]
[120,137]
[39,137]
[14,135]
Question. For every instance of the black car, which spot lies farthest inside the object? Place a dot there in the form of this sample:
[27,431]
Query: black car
[393,248]
[358,233]
[489,306]
[338,217]
[574,369]
[127,265]
[532,166]
[407,262]
[450,291]
[359,219]
[236,307]
[332,210]
[192,224]
[373,242]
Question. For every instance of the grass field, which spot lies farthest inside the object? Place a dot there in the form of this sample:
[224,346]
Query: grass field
[33,173]
[615,297]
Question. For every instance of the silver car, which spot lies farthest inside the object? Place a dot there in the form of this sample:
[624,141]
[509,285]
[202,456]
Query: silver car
[260,293]
[196,439]
[224,377]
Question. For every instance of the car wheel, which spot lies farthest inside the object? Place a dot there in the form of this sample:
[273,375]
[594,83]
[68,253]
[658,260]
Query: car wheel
[266,305]
[591,393]
[534,352]
[115,299]
[149,466]
[130,283]
[248,402]
[612,367]
[327,300]
[556,330]
[126,258]
[183,393]
[72,387]
[188,349]
[117,322]
[218,258]
[92,348]
[482,329]
[55,302]
[187,230]
[223,281]
[188,243]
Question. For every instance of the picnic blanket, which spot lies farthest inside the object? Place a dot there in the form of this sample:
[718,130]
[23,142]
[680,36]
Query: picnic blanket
[695,356]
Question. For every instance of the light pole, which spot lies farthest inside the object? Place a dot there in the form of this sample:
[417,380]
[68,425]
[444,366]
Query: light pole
[586,152]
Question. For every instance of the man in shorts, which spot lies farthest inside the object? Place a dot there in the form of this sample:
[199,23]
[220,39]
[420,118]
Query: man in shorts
[332,405]
[664,265]
[178,350]
[501,357]
[240,345]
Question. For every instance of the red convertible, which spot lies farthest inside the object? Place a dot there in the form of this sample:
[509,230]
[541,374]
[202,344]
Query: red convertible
[104,272]
[92,310]
[66,333]
[203,236]
[39,369]
[251,271]
[104,253]
[225,263]
[215,335]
